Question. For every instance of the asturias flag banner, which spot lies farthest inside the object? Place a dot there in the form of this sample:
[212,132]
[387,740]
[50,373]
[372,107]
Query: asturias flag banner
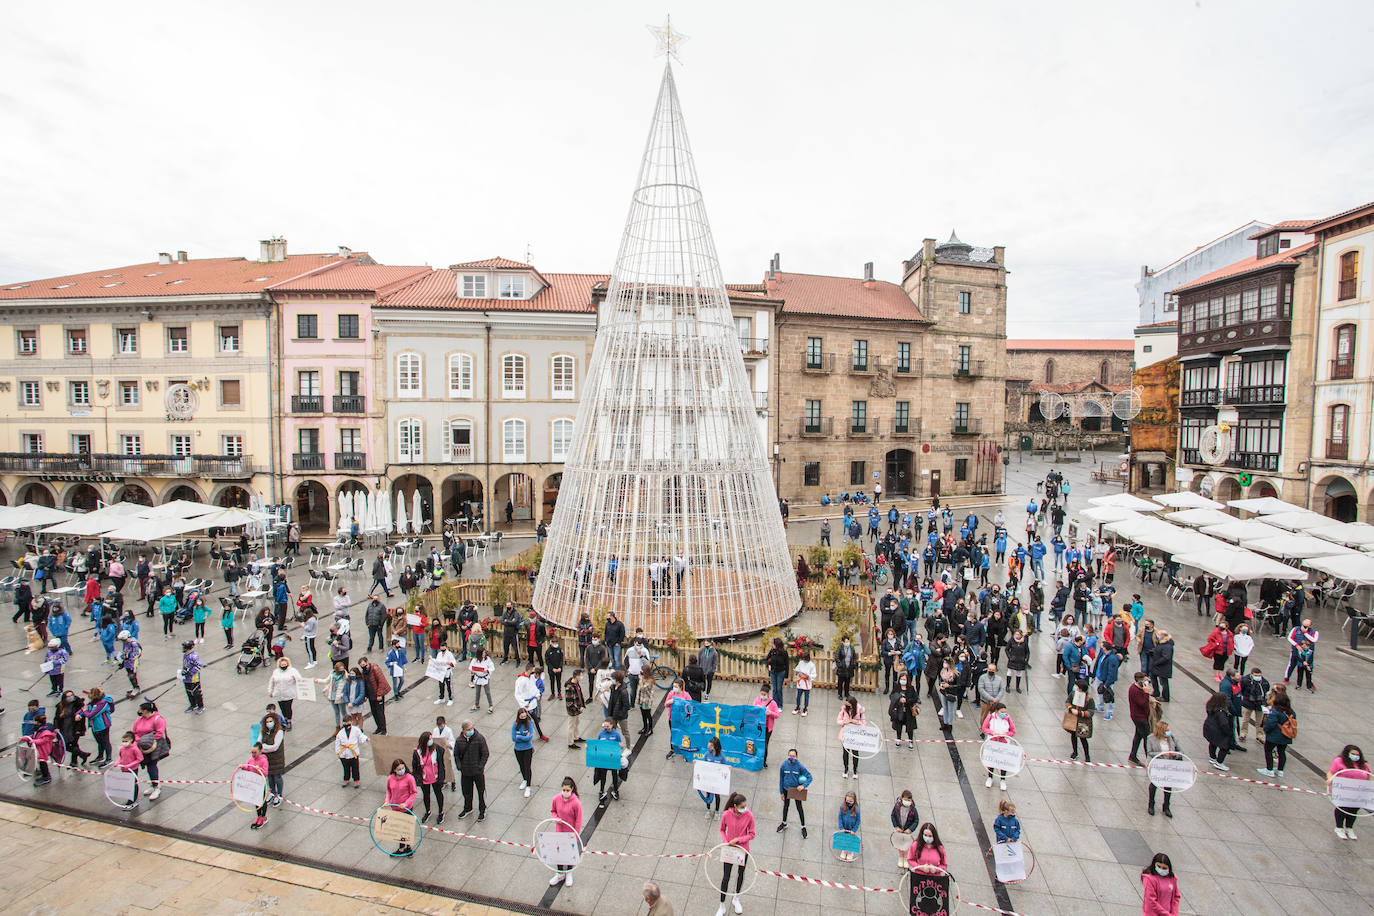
[740,729]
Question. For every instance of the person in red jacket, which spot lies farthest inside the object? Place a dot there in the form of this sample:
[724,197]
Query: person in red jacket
[1138,697]
[1219,646]
[375,688]
[1161,888]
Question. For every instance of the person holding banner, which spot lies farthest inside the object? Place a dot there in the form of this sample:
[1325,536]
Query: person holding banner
[927,853]
[737,831]
[771,714]
[850,713]
[712,755]
[608,733]
[257,763]
[999,727]
[1161,741]
[1349,764]
[566,811]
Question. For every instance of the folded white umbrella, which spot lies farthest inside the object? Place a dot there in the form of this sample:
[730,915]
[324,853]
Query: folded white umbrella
[1186,499]
[1264,505]
[401,521]
[1241,565]
[1196,518]
[417,523]
[1237,529]
[1350,567]
[1126,501]
[1294,546]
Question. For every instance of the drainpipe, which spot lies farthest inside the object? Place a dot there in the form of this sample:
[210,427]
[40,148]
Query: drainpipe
[487,504]
[274,400]
[1316,370]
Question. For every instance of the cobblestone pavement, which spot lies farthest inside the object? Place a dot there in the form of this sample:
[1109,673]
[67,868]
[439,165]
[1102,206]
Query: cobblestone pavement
[1239,847]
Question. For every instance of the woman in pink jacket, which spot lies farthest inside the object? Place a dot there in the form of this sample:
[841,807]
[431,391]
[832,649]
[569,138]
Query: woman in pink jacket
[400,795]
[678,692]
[770,712]
[257,762]
[998,726]
[1350,764]
[737,830]
[1161,888]
[566,810]
[850,713]
[927,853]
[150,728]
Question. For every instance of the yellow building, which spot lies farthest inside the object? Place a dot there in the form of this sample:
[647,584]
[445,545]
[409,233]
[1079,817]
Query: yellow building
[145,383]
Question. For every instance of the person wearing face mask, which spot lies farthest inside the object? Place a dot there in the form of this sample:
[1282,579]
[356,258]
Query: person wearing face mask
[771,712]
[712,755]
[597,659]
[480,669]
[1160,886]
[1078,718]
[522,740]
[1161,741]
[1349,764]
[427,763]
[348,745]
[566,810]
[849,820]
[999,727]
[470,754]
[258,763]
[850,713]
[737,830]
[991,690]
[281,689]
[903,707]
[608,733]
[846,663]
[272,734]
[400,795]
[927,853]
[905,817]
[793,779]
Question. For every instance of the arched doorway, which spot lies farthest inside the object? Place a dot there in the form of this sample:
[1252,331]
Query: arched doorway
[517,490]
[409,484]
[1090,413]
[898,479]
[312,507]
[1261,488]
[1227,489]
[183,491]
[1339,500]
[551,485]
[460,489]
[350,487]
[82,497]
[36,493]
[134,493]
[234,498]
[4,500]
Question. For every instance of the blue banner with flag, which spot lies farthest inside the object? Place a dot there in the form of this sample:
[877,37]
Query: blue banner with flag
[740,729]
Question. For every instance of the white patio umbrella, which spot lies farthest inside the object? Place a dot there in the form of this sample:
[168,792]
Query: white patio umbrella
[1264,505]
[232,518]
[401,522]
[1353,534]
[1351,567]
[1298,521]
[177,508]
[1294,546]
[31,515]
[1241,565]
[1186,499]
[1104,514]
[1134,528]
[1196,518]
[417,523]
[101,520]
[1237,529]
[1125,501]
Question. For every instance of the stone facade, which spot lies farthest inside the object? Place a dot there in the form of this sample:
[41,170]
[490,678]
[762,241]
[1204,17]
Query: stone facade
[1086,373]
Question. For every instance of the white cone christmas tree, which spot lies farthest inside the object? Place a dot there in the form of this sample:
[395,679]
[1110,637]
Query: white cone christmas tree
[666,502]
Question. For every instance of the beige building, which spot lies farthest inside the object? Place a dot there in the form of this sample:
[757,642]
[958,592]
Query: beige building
[144,383]
[1087,374]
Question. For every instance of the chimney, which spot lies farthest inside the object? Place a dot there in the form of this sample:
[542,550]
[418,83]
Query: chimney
[181,257]
[777,262]
[345,251]
[927,250]
[868,276]
[164,258]
[999,254]
[273,249]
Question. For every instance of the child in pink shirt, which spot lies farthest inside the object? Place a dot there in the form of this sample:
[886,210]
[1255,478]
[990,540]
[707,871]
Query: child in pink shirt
[771,713]
[737,830]
[566,809]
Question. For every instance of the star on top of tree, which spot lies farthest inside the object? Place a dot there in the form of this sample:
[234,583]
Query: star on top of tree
[669,41]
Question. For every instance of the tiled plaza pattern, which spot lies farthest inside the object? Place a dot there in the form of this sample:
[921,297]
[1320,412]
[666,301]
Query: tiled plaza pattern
[1238,847]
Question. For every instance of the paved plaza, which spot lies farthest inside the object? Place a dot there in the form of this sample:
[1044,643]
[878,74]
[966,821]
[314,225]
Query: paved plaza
[1238,847]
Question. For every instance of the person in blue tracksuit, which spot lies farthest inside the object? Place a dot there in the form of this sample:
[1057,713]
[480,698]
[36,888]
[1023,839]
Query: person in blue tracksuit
[792,775]
[1037,554]
[849,820]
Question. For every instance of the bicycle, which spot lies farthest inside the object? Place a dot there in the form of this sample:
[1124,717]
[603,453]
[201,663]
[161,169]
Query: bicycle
[662,675]
[880,573]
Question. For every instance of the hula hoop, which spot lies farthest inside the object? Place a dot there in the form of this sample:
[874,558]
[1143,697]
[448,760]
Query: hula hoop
[132,803]
[538,829]
[901,841]
[1030,860]
[904,887]
[235,800]
[707,859]
[1359,812]
[26,759]
[1171,755]
[419,832]
[838,854]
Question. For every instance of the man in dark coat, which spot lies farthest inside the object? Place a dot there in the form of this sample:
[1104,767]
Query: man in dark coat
[470,754]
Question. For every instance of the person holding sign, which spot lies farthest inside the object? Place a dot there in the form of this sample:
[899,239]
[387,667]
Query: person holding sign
[1078,718]
[130,759]
[850,713]
[257,763]
[999,727]
[400,795]
[1162,741]
[927,853]
[566,811]
[793,778]
[481,668]
[608,733]
[771,713]
[849,820]
[712,755]
[1349,764]
[736,831]
[443,663]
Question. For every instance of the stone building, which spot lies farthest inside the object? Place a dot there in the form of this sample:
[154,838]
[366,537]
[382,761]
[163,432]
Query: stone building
[1086,373]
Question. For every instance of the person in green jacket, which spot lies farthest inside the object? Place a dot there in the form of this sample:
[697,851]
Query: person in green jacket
[226,620]
[199,614]
[167,607]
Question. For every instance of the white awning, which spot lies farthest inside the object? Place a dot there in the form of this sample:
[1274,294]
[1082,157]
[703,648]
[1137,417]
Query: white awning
[1186,499]
[179,508]
[1299,521]
[1196,518]
[1294,546]
[1103,514]
[155,529]
[1237,529]
[1125,501]
[99,521]
[1264,505]
[1241,565]
[1350,567]
[31,515]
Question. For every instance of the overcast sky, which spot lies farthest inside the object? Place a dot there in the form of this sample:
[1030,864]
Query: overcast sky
[1088,138]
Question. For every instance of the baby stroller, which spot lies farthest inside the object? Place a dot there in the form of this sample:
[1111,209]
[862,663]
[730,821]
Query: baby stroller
[251,653]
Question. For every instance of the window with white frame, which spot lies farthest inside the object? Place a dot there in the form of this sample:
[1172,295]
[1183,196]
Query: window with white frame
[229,338]
[178,340]
[30,394]
[308,383]
[564,377]
[513,376]
[131,444]
[458,440]
[474,286]
[408,375]
[76,341]
[81,443]
[28,343]
[128,394]
[460,375]
[128,340]
[32,442]
[231,446]
[513,440]
[181,445]
[512,286]
[80,393]
[409,441]
[561,439]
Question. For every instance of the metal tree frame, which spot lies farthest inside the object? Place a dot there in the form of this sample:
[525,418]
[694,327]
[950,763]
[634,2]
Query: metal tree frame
[667,465]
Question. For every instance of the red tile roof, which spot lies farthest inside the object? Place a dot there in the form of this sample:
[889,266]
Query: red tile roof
[843,297]
[1288,225]
[1071,345]
[203,276]
[439,290]
[351,277]
[1332,221]
[1240,268]
[496,263]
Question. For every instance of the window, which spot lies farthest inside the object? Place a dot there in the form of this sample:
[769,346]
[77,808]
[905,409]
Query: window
[76,341]
[178,340]
[813,352]
[903,356]
[961,469]
[351,440]
[1049,371]
[474,286]
[308,383]
[512,376]
[348,327]
[409,441]
[460,375]
[79,393]
[229,338]
[1269,302]
[231,446]
[1171,302]
[128,394]
[408,375]
[961,414]
[33,443]
[512,287]
[458,442]
[1104,372]
[561,439]
[229,395]
[811,474]
[902,420]
[513,440]
[181,445]
[1336,445]
[81,443]
[1260,436]
[744,330]
[1232,308]
[563,377]
[128,340]
[856,473]
[28,343]
[860,361]
[350,383]
[1348,286]
[30,394]
[1268,246]
[307,327]
[965,302]
[308,441]
[1343,366]
[858,416]
[1249,306]
[964,364]
[130,444]
[1190,433]
[1148,348]
[813,415]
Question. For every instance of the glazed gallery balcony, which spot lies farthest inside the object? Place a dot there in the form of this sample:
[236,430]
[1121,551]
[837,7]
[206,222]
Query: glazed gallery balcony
[85,465]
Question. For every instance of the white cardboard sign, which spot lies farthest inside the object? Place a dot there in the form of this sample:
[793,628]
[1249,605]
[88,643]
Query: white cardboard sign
[1177,773]
[711,778]
[554,848]
[121,787]
[437,670]
[1003,755]
[412,620]
[864,740]
[1010,860]
[305,689]
[1352,792]
[733,855]
[248,787]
